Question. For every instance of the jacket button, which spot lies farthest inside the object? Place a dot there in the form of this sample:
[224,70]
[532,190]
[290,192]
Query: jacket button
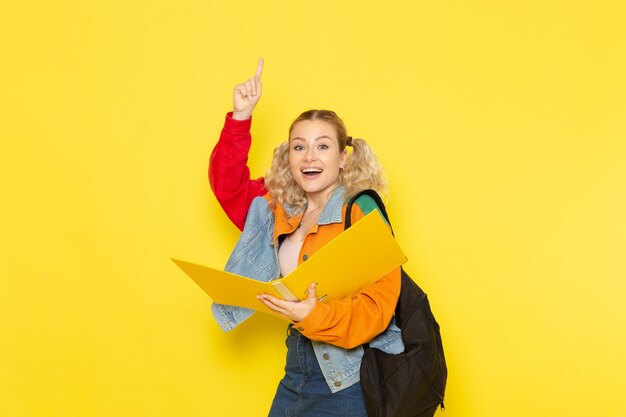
[325,356]
[305,257]
[337,383]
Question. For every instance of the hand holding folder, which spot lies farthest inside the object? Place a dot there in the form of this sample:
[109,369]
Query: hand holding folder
[350,262]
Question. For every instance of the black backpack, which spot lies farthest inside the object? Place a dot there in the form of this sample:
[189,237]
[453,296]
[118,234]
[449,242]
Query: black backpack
[412,383]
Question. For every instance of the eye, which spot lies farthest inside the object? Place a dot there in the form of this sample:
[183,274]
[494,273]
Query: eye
[323,146]
[298,148]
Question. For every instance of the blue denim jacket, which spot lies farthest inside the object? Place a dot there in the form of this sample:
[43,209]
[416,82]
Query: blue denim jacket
[254,256]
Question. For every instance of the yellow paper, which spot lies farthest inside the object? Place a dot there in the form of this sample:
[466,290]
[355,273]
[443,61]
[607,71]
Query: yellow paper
[351,261]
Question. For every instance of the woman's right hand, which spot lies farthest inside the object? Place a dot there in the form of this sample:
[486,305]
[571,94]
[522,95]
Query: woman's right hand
[247,94]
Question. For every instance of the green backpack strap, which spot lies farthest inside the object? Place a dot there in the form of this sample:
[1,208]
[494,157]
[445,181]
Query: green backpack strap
[368,201]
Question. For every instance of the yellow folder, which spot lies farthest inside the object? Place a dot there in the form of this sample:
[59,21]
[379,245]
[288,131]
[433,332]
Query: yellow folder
[351,261]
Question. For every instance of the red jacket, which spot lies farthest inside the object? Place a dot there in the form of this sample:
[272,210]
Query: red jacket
[229,174]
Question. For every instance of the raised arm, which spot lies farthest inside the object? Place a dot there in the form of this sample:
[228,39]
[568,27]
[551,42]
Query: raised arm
[229,174]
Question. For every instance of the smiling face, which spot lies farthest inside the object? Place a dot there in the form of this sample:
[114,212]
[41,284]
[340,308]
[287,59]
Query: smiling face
[315,158]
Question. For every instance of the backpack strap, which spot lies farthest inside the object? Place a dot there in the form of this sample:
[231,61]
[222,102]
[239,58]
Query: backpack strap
[380,206]
[368,198]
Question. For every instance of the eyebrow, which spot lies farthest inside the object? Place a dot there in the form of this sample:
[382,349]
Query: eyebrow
[317,138]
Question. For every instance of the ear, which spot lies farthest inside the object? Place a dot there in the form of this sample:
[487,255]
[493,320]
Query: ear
[343,157]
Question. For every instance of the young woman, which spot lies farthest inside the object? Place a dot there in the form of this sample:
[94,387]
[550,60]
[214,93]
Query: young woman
[285,218]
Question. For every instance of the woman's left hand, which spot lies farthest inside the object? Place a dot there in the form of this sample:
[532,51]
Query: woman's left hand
[293,310]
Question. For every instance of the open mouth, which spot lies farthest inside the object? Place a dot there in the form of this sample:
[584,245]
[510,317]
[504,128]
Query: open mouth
[311,172]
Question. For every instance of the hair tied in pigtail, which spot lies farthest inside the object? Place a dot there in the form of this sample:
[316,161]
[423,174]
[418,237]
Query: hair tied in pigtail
[349,141]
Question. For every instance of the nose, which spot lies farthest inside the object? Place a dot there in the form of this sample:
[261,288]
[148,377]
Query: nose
[309,155]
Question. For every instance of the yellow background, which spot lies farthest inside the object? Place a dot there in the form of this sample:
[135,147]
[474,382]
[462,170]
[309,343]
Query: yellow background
[502,128]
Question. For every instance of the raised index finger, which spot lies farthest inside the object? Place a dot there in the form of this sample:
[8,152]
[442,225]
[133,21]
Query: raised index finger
[259,68]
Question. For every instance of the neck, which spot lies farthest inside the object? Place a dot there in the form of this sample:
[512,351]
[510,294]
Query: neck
[318,200]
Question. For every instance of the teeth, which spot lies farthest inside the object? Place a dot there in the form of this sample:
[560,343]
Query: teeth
[311,170]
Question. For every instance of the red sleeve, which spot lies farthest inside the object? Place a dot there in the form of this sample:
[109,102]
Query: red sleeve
[229,174]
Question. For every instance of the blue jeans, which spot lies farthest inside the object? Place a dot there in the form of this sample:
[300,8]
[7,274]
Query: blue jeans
[303,391]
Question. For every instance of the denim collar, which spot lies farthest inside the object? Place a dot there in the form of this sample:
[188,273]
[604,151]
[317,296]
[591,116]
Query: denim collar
[288,217]
[332,212]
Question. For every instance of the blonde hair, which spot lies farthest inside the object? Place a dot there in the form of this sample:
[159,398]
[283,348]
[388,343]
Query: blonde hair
[361,170]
